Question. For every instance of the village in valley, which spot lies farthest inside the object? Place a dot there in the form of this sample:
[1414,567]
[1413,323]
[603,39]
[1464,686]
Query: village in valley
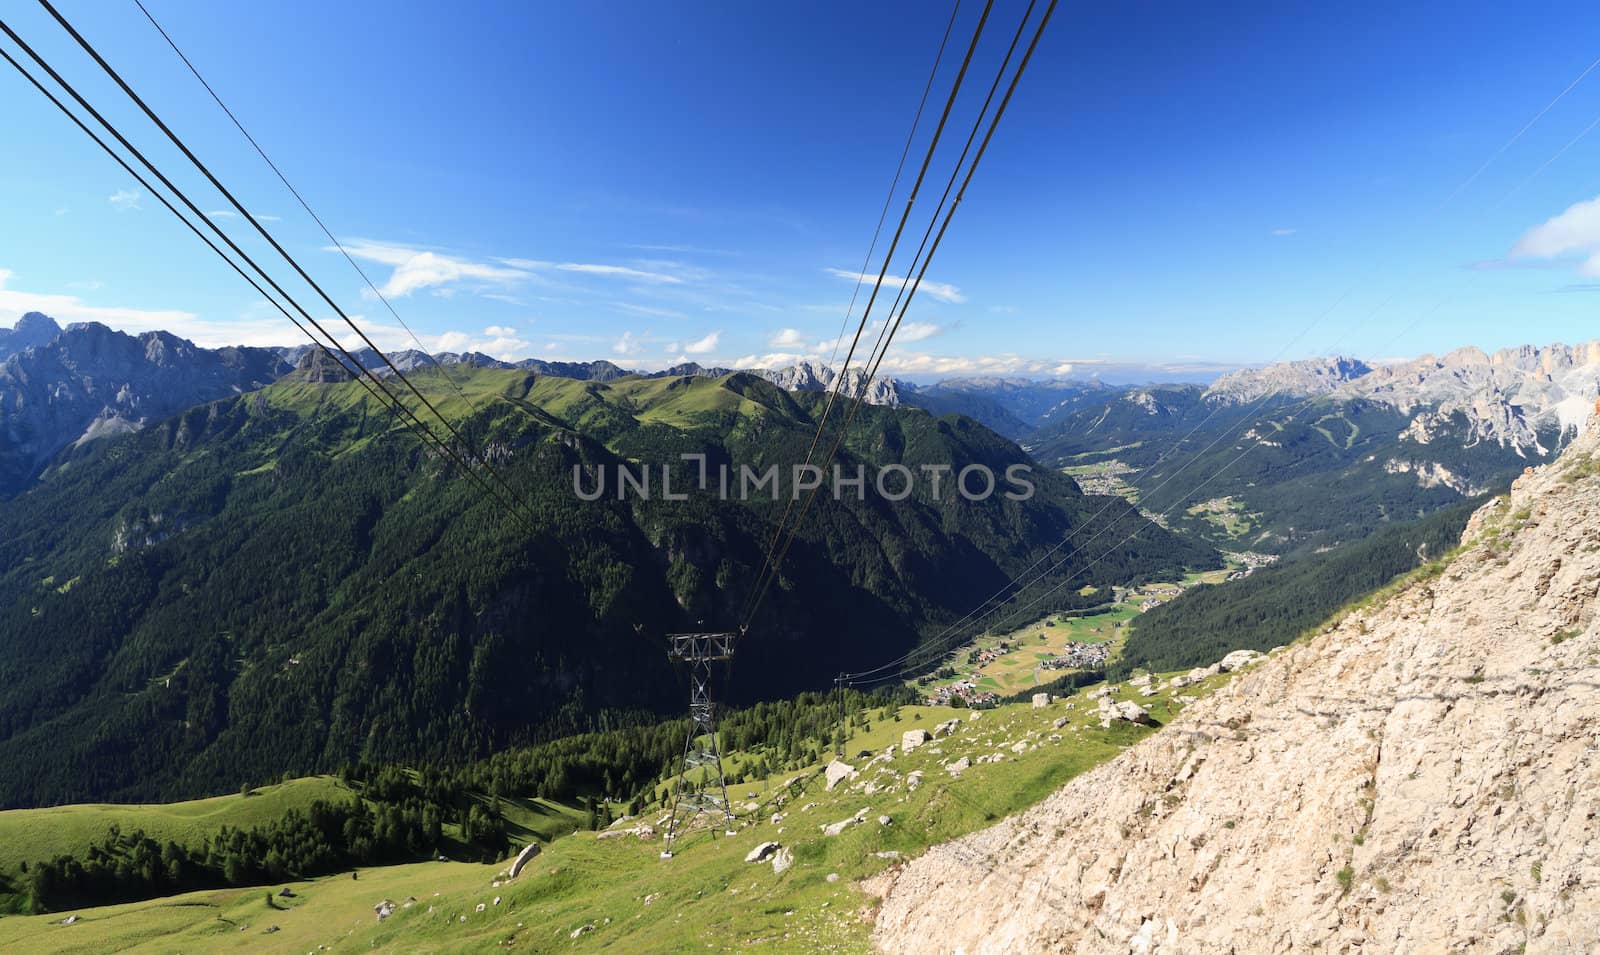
[996,665]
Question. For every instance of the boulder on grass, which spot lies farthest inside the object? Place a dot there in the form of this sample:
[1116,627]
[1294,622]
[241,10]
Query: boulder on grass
[836,773]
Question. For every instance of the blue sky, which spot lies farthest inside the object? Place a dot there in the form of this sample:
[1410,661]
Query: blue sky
[1173,186]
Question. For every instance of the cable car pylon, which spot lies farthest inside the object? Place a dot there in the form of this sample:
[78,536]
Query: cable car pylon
[708,795]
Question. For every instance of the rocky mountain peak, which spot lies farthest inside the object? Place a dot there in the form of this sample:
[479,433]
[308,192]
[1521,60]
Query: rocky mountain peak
[1529,398]
[816,376]
[1311,376]
[32,329]
[91,381]
[320,366]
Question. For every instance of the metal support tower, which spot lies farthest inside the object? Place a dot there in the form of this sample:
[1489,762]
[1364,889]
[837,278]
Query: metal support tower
[698,652]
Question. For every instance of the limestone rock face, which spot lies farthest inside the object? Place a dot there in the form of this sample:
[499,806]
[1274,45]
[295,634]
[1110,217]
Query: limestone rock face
[89,381]
[836,773]
[32,329]
[1513,397]
[1422,776]
[1238,659]
[523,858]
[815,376]
[1125,710]
[782,860]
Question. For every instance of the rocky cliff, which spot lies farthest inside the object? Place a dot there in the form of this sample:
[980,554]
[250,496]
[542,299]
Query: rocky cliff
[91,381]
[1528,398]
[815,376]
[1313,376]
[1421,776]
[32,330]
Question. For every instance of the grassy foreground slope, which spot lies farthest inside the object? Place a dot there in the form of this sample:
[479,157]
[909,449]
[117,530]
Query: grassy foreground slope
[615,892]
[28,835]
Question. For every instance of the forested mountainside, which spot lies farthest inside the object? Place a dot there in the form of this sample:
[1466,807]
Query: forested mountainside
[1278,603]
[1279,474]
[283,581]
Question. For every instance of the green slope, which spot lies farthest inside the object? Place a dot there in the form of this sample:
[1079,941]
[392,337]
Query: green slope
[706,898]
[286,581]
[28,835]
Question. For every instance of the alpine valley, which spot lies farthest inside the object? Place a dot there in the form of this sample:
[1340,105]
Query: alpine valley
[233,571]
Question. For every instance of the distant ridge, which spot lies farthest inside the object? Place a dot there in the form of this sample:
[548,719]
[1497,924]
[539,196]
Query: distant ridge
[33,329]
[89,381]
[1509,397]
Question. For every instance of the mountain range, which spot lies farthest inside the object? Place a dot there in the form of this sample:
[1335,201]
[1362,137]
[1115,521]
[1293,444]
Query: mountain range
[68,386]
[1295,455]
[1516,397]
[287,580]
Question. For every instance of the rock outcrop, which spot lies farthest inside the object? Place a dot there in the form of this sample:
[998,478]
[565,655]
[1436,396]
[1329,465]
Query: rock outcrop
[32,329]
[1419,777]
[524,857]
[815,376]
[90,381]
[836,773]
[1312,376]
[1528,398]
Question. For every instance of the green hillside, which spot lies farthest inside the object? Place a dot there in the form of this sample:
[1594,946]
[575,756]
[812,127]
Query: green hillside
[1281,475]
[286,581]
[27,835]
[588,893]
[1277,603]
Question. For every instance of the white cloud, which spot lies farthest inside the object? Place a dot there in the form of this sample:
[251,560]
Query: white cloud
[628,344]
[501,343]
[647,310]
[1283,232]
[922,363]
[67,309]
[230,214]
[591,268]
[90,285]
[771,360]
[124,200]
[943,291]
[261,325]
[916,331]
[788,338]
[619,271]
[1577,229]
[703,346]
[417,269]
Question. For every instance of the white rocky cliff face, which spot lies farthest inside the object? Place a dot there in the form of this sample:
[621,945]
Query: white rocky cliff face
[1422,776]
[1527,398]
